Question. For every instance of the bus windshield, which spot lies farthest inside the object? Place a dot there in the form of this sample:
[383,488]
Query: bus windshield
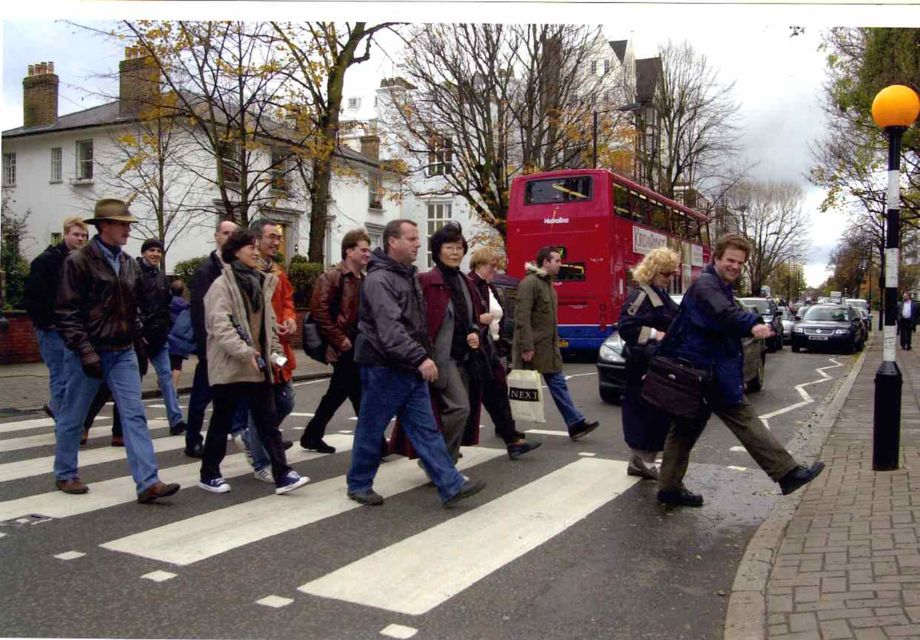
[558,190]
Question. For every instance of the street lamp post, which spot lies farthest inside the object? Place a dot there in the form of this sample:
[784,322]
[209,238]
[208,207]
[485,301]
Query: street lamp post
[894,109]
[629,107]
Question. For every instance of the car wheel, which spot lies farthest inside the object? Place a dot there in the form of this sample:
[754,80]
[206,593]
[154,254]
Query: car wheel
[756,384]
[611,396]
[795,348]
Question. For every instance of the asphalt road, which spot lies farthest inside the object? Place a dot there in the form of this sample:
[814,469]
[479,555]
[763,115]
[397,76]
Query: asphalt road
[560,544]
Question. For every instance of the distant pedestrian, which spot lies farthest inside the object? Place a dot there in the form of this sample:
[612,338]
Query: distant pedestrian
[97,313]
[182,335]
[242,351]
[536,336]
[483,265]
[708,333]
[643,324]
[334,306]
[41,289]
[908,314]
[394,353]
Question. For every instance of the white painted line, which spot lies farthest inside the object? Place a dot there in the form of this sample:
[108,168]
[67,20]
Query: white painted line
[415,575]
[587,454]
[22,520]
[297,414]
[159,576]
[317,381]
[354,418]
[736,468]
[581,375]
[69,555]
[346,432]
[548,432]
[2,535]
[109,493]
[800,388]
[738,449]
[47,439]
[275,602]
[398,631]
[24,425]
[209,534]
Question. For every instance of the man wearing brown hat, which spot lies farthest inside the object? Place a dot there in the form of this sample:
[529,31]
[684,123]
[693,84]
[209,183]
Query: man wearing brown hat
[97,311]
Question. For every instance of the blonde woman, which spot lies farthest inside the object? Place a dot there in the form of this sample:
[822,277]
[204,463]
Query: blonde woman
[644,321]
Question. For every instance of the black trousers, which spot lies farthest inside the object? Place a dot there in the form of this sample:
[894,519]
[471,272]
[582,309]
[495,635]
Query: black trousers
[495,401]
[345,384]
[102,396]
[261,399]
[906,331]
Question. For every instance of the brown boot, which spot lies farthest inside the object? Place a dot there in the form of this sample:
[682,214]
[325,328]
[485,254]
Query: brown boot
[73,485]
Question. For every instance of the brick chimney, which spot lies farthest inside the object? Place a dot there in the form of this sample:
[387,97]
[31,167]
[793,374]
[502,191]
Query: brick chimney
[138,83]
[40,96]
[370,146]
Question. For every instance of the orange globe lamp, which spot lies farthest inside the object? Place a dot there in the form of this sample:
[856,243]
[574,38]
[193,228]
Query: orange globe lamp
[895,106]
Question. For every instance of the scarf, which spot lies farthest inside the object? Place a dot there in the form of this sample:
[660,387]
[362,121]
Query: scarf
[459,349]
[250,283]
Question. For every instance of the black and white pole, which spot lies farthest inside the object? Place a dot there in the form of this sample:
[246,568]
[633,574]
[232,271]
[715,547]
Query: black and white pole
[894,109]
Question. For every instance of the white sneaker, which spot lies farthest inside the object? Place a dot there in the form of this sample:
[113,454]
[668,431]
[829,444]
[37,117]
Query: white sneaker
[216,485]
[264,474]
[240,445]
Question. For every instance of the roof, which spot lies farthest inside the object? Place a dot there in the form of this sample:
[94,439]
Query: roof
[619,48]
[648,72]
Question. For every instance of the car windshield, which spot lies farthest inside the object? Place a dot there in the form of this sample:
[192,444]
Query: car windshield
[859,304]
[826,314]
[761,306]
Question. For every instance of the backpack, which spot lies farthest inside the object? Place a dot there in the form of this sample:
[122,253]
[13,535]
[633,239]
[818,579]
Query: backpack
[314,342]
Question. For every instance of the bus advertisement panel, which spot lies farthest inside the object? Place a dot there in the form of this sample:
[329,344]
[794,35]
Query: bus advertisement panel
[603,225]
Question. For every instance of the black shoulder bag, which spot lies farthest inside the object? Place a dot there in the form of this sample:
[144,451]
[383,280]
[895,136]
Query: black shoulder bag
[314,343]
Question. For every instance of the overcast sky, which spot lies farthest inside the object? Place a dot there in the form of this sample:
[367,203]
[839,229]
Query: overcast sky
[778,78]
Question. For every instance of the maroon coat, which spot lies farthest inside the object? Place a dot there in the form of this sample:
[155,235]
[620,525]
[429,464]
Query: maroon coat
[437,297]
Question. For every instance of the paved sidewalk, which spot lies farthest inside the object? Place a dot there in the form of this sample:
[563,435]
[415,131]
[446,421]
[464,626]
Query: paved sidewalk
[24,387]
[842,559]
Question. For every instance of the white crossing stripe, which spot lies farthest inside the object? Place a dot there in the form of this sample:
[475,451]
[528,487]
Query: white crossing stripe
[24,425]
[48,439]
[159,576]
[275,602]
[548,432]
[109,493]
[415,575]
[201,537]
[399,631]
[70,555]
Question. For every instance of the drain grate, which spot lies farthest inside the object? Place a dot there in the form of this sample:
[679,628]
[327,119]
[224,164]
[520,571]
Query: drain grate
[26,520]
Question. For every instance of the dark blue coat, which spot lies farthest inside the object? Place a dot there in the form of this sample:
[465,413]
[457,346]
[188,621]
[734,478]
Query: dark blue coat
[708,332]
[182,336]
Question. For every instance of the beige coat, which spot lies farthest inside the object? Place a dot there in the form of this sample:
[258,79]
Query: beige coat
[229,357]
[535,323]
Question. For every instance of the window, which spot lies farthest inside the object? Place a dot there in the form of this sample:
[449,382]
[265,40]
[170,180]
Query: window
[9,169]
[438,215]
[593,67]
[229,153]
[374,192]
[375,233]
[558,190]
[440,156]
[279,170]
[57,163]
[56,238]
[84,160]
[354,103]
[607,66]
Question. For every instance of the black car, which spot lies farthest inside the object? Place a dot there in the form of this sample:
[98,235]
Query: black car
[769,311]
[611,365]
[829,326]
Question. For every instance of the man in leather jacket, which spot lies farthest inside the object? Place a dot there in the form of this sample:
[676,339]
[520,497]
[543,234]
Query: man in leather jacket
[97,314]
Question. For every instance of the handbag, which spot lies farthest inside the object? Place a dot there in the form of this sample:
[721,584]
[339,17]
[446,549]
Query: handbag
[675,387]
[525,395]
[314,345]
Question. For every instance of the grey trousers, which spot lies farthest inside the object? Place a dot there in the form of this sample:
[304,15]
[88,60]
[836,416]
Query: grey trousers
[453,387]
[766,450]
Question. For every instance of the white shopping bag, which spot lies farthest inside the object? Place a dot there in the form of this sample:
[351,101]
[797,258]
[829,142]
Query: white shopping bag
[525,393]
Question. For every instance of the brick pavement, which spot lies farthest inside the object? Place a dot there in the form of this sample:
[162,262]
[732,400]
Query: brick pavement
[847,564]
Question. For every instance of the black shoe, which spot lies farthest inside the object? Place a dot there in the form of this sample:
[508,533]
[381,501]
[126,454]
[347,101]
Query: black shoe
[469,488]
[680,498]
[583,428]
[48,411]
[178,429]
[799,477]
[196,451]
[368,497]
[287,444]
[515,451]
[319,446]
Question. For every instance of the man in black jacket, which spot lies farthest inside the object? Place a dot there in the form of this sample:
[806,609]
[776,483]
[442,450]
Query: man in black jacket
[41,289]
[207,272]
[394,353]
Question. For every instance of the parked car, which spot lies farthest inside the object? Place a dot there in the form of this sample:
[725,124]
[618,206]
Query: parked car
[829,326]
[769,311]
[611,364]
[788,319]
[859,303]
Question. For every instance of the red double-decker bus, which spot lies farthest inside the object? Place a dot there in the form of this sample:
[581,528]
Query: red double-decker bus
[603,224]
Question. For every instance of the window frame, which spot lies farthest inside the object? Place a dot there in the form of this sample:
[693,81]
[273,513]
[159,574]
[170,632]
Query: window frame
[84,165]
[434,222]
[9,169]
[440,157]
[57,165]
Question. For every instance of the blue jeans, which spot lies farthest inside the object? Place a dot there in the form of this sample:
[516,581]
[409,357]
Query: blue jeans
[198,401]
[559,390]
[51,345]
[160,362]
[124,381]
[388,392]
[284,404]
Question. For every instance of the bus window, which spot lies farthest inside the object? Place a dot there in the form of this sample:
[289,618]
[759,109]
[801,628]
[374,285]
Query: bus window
[571,272]
[621,201]
[661,218]
[559,190]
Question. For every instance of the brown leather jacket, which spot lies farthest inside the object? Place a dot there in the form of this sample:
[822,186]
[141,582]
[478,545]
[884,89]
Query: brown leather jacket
[96,309]
[337,291]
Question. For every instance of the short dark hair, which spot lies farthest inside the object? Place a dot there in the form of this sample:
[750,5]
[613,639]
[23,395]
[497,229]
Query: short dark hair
[544,254]
[352,238]
[450,232]
[732,241]
[237,240]
[394,230]
[258,226]
[177,287]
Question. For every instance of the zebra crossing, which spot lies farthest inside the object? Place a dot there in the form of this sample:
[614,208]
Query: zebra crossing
[398,578]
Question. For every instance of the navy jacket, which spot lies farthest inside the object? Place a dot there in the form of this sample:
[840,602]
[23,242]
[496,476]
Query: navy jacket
[205,275]
[708,332]
[42,285]
[637,319]
[182,336]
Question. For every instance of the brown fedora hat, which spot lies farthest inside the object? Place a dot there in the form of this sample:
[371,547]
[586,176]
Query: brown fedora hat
[112,210]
